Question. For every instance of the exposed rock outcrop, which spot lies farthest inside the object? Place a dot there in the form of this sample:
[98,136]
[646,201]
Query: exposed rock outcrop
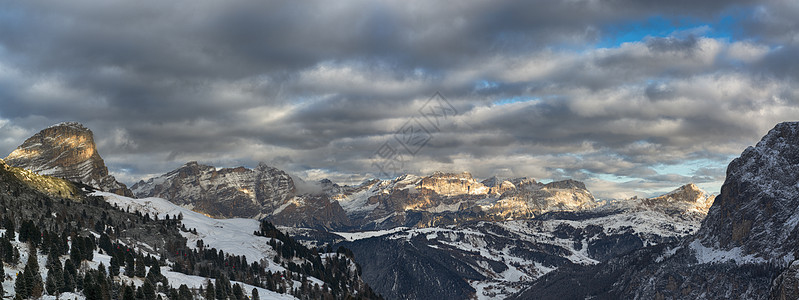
[454,198]
[67,151]
[758,208]
[244,193]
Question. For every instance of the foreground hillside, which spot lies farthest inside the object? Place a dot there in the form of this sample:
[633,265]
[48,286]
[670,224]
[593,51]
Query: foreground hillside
[61,240]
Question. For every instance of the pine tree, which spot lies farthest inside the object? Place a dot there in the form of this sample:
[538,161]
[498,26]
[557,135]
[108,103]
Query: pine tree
[139,271]
[238,294]
[129,265]
[20,287]
[74,252]
[139,293]
[33,279]
[69,276]
[185,293]
[69,283]
[113,270]
[255,294]
[8,224]
[90,288]
[127,293]
[210,293]
[155,267]
[55,278]
[220,289]
[149,290]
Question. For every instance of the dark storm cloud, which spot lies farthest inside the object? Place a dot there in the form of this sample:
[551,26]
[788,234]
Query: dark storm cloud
[315,87]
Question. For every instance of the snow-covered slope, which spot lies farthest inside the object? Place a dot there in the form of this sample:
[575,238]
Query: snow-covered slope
[12,271]
[234,236]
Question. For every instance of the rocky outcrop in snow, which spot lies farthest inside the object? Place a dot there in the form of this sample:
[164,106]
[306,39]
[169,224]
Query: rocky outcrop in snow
[244,193]
[66,151]
[758,208]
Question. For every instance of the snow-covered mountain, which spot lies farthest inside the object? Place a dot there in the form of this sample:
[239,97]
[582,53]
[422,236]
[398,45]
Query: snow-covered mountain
[66,150]
[746,248]
[494,259]
[263,192]
[757,212]
[454,198]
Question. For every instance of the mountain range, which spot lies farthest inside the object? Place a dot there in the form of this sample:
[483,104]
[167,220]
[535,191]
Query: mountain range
[454,236]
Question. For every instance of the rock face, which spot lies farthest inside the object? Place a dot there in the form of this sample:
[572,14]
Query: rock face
[453,198]
[758,208]
[67,151]
[746,247]
[243,193]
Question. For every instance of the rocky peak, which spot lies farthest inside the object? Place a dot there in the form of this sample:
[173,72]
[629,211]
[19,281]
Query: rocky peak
[757,210]
[687,198]
[498,186]
[66,150]
[492,181]
[449,184]
[565,184]
[240,192]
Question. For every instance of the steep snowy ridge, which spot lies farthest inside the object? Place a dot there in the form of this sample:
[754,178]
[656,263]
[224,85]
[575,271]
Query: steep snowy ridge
[758,208]
[67,151]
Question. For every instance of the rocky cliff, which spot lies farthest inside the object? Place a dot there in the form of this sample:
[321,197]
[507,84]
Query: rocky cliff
[244,193]
[67,151]
[758,208]
[453,198]
[746,247]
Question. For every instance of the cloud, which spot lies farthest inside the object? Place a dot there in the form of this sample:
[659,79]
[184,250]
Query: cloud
[315,88]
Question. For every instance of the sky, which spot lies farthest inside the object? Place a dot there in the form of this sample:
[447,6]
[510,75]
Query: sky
[631,97]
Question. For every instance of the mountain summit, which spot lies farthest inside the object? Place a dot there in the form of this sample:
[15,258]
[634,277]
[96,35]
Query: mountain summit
[758,208]
[66,150]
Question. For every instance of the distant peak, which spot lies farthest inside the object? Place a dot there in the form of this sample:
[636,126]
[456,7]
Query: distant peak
[565,184]
[69,124]
[690,190]
[440,174]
